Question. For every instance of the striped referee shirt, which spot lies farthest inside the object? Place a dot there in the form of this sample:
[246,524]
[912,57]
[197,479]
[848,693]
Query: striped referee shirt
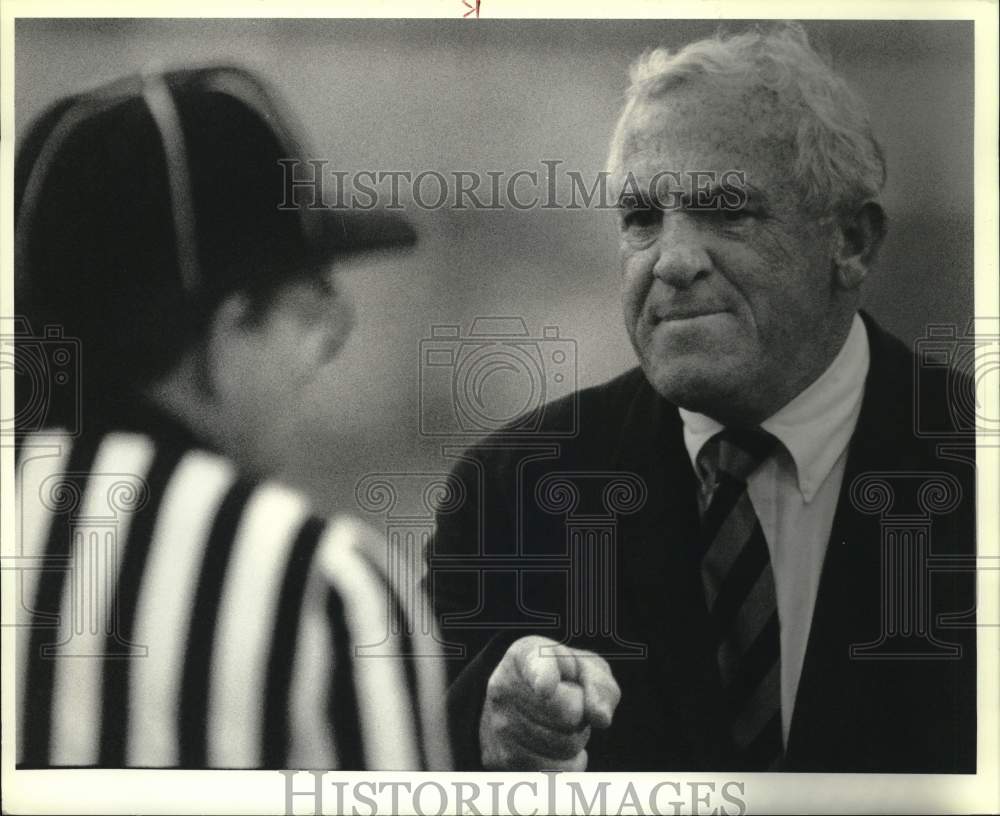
[174,615]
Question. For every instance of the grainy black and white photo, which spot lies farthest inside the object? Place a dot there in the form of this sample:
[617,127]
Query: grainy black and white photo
[455,396]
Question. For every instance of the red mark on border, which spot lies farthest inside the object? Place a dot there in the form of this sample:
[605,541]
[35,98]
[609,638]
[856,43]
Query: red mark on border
[473,8]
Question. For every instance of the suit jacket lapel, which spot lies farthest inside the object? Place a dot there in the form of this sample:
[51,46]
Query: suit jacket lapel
[847,603]
[664,604]
[659,543]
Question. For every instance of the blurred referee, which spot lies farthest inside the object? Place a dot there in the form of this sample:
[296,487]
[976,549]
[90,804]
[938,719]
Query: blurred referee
[176,608]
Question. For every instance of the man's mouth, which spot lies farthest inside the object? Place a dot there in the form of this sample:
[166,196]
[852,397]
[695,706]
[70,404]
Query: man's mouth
[677,315]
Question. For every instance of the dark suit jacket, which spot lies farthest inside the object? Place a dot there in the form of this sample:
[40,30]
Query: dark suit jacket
[501,567]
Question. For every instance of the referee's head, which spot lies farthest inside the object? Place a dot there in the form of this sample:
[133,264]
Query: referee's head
[155,222]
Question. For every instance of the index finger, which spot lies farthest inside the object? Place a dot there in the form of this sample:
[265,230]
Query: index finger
[542,664]
[601,691]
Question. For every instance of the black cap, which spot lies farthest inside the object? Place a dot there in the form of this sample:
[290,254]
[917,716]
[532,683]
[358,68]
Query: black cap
[140,203]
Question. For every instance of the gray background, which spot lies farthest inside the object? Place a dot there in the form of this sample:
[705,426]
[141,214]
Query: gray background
[484,95]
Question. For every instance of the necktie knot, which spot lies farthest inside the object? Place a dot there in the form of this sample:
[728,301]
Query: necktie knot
[737,452]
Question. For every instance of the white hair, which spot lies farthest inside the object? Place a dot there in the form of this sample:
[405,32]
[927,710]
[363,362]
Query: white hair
[838,164]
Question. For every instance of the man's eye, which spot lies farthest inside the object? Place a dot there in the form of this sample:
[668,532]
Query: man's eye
[736,215]
[641,217]
[323,284]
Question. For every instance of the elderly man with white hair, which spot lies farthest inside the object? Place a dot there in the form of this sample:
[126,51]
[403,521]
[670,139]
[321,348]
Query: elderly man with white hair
[756,615]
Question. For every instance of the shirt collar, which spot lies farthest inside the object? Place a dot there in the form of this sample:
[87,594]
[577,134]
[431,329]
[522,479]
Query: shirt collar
[816,426]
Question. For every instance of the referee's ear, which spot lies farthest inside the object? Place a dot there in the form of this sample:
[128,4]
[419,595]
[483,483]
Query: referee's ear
[226,349]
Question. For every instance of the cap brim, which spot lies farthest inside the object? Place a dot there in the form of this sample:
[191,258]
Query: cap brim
[351,231]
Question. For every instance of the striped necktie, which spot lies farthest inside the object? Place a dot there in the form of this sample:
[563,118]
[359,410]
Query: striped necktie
[739,590]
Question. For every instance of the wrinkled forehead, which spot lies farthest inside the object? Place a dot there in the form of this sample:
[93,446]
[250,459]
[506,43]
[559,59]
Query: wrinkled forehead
[703,126]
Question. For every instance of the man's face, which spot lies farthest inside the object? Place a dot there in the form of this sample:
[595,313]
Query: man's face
[300,331]
[270,358]
[730,311]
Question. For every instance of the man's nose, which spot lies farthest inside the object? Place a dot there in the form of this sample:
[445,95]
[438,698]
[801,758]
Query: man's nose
[682,253]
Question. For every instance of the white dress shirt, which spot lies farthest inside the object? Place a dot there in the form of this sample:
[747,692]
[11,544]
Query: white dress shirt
[795,492]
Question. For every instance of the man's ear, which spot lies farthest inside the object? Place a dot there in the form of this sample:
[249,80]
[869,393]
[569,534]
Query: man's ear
[859,235]
[228,345]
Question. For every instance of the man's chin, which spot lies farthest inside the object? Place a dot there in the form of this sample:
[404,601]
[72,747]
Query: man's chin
[694,389]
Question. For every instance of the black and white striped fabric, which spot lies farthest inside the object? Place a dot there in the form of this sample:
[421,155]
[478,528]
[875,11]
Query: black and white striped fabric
[740,592]
[173,615]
